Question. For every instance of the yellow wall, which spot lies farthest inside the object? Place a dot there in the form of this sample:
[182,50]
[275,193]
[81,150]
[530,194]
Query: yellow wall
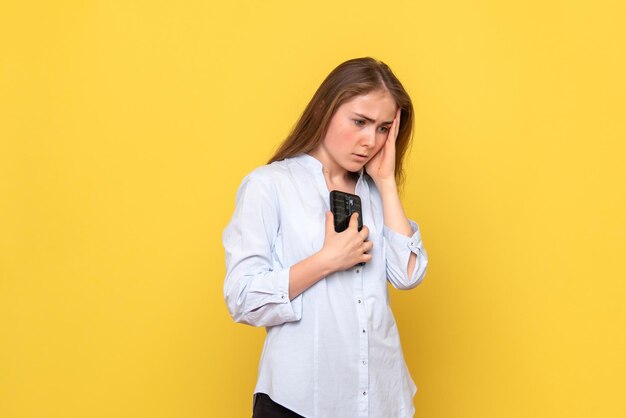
[126,127]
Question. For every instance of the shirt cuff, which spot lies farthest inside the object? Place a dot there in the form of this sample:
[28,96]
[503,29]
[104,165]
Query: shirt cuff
[413,243]
[291,310]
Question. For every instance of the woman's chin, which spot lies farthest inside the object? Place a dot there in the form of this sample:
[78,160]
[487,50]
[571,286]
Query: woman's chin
[353,166]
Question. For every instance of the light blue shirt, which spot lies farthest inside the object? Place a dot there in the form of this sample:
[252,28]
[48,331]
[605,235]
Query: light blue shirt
[334,350]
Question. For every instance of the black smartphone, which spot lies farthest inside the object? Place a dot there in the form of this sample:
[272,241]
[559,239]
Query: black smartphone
[343,205]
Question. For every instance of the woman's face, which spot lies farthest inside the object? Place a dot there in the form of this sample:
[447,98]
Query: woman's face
[357,131]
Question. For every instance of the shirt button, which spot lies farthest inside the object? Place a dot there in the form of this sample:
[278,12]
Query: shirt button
[357,270]
[364,393]
[282,297]
[363,331]
[359,300]
[364,362]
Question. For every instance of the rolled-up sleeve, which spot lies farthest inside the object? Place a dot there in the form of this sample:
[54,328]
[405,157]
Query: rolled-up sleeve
[256,293]
[398,248]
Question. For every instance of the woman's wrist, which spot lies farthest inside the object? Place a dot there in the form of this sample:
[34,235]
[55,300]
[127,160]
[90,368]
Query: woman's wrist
[307,272]
[324,261]
[386,185]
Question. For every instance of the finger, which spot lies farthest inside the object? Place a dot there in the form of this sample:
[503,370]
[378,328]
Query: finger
[391,137]
[396,125]
[354,221]
[329,225]
[364,233]
[366,258]
[367,246]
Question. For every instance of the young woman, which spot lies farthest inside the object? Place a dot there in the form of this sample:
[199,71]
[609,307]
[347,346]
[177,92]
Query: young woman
[332,347]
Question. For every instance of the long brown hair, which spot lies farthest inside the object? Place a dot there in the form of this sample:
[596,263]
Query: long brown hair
[352,78]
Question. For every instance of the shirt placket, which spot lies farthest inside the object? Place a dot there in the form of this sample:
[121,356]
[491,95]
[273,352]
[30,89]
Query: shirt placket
[363,359]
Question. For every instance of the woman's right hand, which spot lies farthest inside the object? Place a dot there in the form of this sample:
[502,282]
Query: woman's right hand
[343,250]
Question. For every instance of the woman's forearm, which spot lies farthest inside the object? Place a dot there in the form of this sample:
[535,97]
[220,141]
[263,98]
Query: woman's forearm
[306,273]
[394,215]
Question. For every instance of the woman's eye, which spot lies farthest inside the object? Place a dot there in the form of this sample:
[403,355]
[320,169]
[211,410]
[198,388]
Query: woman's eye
[359,122]
[384,129]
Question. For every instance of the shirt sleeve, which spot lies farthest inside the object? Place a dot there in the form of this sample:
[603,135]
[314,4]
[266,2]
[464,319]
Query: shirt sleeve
[255,292]
[398,249]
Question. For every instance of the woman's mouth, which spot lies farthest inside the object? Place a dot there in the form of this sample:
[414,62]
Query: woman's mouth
[360,157]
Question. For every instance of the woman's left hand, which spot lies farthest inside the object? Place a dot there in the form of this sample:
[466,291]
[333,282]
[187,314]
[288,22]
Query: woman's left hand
[382,165]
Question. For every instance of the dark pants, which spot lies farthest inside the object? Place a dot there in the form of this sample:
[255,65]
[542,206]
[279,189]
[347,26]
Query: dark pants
[265,407]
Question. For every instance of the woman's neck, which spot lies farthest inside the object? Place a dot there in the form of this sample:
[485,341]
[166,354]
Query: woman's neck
[345,183]
[337,177]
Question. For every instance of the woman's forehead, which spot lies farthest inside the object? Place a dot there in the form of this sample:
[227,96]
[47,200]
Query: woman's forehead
[376,104]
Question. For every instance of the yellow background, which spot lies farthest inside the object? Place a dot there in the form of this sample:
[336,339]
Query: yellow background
[126,127]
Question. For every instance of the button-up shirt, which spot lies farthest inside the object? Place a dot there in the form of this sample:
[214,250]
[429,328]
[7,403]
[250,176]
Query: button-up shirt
[334,350]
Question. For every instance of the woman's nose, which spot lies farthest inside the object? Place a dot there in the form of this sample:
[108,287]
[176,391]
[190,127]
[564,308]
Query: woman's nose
[369,138]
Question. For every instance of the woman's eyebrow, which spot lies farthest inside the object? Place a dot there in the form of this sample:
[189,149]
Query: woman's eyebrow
[372,120]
